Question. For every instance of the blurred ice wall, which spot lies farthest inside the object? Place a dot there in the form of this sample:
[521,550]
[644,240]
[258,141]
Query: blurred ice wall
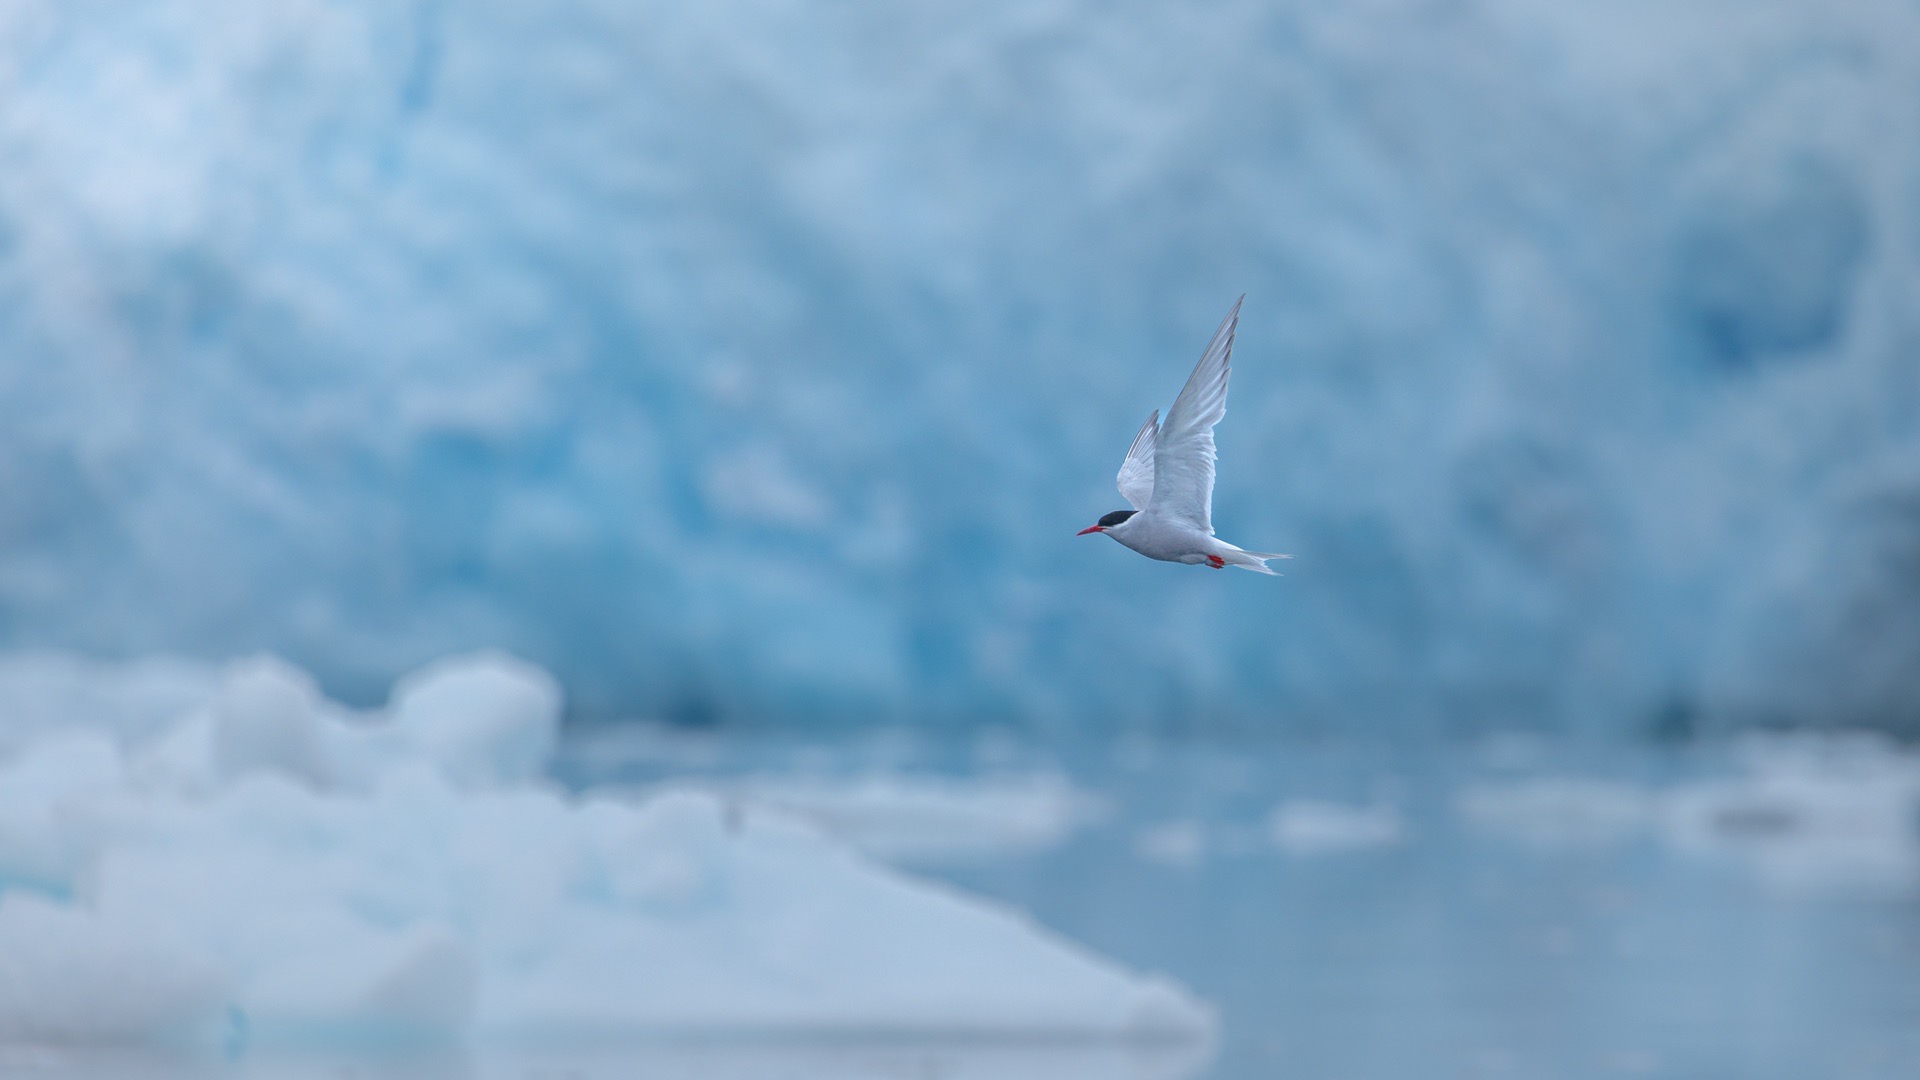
[757,360]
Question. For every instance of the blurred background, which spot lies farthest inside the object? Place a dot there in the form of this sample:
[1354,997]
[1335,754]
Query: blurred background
[755,363]
[750,365]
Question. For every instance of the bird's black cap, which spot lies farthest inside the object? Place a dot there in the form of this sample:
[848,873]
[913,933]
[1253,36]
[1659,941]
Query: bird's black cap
[1116,518]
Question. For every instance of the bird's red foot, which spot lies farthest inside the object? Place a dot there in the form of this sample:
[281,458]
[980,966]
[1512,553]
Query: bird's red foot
[1216,562]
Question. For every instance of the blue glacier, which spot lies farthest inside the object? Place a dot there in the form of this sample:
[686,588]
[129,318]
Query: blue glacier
[756,362]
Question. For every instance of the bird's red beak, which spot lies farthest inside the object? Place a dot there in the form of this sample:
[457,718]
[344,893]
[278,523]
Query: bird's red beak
[1091,528]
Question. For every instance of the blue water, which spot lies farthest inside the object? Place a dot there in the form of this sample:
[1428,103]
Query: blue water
[1456,954]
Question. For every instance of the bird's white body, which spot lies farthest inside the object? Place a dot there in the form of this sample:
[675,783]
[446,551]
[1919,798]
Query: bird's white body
[1173,541]
[1168,474]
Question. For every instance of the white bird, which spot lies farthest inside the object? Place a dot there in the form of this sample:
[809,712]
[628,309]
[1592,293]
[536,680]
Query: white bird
[1168,474]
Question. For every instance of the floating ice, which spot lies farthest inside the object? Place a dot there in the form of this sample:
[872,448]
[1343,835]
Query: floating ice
[908,818]
[1809,812]
[1804,811]
[1180,843]
[270,868]
[887,804]
[1299,827]
[740,1060]
[1308,826]
[1554,811]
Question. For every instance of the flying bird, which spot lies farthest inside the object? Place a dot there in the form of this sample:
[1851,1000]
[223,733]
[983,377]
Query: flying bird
[1168,473]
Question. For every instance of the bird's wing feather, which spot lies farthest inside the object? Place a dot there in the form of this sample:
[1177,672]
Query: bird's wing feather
[1184,456]
[1136,473]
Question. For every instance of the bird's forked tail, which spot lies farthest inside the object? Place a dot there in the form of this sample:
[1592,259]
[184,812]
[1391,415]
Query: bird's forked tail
[1255,561]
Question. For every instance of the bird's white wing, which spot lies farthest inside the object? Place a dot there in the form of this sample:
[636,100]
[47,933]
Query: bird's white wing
[1136,473]
[1184,455]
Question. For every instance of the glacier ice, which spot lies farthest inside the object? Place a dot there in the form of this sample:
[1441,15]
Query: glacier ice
[748,361]
[270,868]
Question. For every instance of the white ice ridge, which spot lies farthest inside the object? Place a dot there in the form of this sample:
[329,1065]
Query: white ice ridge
[269,867]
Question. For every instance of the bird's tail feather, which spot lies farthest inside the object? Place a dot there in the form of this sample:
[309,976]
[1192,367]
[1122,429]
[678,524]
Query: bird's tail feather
[1255,561]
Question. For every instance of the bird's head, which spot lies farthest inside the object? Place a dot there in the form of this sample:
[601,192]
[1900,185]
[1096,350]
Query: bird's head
[1118,517]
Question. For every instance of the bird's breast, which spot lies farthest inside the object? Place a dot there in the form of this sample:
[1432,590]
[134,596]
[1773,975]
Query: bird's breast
[1163,540]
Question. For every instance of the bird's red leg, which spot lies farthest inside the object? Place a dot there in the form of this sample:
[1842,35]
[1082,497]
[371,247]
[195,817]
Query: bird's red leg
[1216,562]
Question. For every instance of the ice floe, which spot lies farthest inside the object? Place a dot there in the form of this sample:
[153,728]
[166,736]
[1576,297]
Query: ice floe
[266,867]
[738,1060]
[1300,827]
[923,819]
[1307,826]
[1801,811]
[1180,843]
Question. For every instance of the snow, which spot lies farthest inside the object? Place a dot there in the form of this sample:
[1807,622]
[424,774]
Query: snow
[749,360]
[269,868]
